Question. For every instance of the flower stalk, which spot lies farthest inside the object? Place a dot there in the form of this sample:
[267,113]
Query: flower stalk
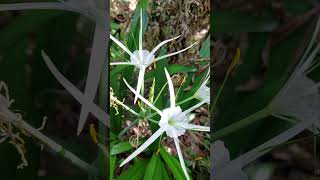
[52,145]
[240,124]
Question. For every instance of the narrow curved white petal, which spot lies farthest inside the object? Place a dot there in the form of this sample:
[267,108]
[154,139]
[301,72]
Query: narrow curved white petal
[176,142]
[115,40]
[121,63]
[143,146]
[140,38]
[312,90]
[98,58]
[312,41]
[257,152]
[194,107]
[206,79]
[75,92]
[3,139]
[171,90]
[140,83]
[303,68]
[154,50]
[143,99]
[195,127]
[172,54]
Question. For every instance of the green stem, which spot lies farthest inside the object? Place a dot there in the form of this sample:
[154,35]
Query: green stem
[240,124]
[134,123]
[152,120]
[127,128]
[58,148]
[160,93]
[185,100]
[125,106]
[152,114]
[215,101]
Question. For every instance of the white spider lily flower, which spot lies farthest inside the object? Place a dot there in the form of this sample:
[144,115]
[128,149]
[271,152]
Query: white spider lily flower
[173,121]
[300,98]
[143,58]
[203,93]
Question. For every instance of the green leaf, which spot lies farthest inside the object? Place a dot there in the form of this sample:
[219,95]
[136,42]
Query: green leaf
[205,48]
[173,164]
[120,148]
[155,169]
[227,22]
[112,165]
[133,36]
[143,4]
[160,76]
[135,172]
[173,68]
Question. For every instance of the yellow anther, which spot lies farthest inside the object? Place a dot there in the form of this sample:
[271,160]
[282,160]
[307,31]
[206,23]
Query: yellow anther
[93,134]
[234,61]
[198,158]
[154,63]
